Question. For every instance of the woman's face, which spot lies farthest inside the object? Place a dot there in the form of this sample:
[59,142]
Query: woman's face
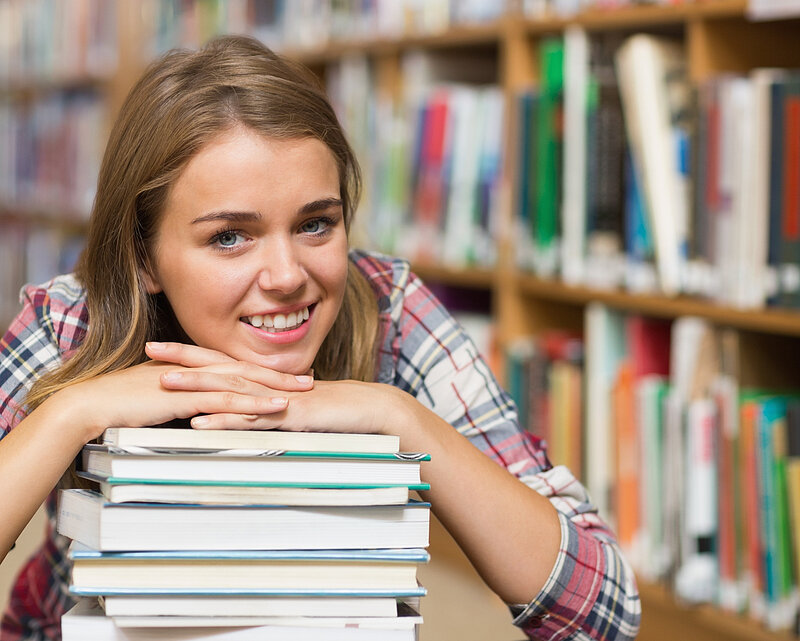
[251,250]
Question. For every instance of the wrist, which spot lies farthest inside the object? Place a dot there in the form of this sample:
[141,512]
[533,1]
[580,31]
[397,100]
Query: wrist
[67,408]
[407,418]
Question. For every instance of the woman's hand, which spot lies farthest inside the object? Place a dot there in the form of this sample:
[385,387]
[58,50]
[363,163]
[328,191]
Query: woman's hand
[182,381]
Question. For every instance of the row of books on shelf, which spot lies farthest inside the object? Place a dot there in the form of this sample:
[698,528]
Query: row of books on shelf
[50,152]
[248,534]
[42,41]
[628,176]
[315,24]
[32,254]
[695,464]
[432,158]
[306,25]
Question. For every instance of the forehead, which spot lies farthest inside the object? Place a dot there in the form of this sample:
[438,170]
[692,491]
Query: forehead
[242,168]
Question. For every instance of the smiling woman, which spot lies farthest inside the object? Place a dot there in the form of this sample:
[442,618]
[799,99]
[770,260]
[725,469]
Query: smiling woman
[218,286]
[254,228]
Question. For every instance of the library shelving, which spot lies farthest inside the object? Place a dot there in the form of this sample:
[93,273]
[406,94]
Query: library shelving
[504,53]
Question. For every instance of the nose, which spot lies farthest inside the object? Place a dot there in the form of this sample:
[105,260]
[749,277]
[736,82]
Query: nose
[281,269]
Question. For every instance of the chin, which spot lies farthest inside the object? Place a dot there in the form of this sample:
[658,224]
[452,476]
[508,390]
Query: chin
[286,364]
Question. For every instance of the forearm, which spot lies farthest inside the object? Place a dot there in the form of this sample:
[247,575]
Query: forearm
[525,549]
[510,532]
[33,457]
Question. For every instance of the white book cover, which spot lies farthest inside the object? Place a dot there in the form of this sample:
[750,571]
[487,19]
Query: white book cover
[650,72]
[86,621]
[574,175]
[86,517]
[605,344]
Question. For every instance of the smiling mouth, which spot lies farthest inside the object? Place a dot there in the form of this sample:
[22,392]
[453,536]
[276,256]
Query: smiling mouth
[276,323]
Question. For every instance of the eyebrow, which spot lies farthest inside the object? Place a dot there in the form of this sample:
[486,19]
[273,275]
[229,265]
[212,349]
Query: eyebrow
[250,216]
[234,216]
[319,205]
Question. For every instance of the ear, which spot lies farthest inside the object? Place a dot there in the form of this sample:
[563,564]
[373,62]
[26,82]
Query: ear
[151,283]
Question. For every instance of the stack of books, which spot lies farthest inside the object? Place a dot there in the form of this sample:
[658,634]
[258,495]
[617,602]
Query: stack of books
[241,535]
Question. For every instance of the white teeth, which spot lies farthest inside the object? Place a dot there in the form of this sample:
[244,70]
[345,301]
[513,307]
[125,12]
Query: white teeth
[279,321]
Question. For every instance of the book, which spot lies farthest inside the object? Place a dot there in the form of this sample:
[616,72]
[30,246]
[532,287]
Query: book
[174,438]
[86,621]
[384,572]
[87,517]
[250,606]
[261,466]
[549,141]
[654,90]
[117,490]
[605,349]
[574,173]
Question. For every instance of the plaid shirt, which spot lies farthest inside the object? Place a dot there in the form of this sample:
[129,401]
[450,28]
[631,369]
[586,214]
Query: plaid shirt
[591,591]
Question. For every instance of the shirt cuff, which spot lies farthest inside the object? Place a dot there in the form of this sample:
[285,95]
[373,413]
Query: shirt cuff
[570,592]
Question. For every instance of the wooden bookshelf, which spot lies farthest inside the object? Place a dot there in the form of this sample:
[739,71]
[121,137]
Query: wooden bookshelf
[665,619]
[717,37]
[770,321]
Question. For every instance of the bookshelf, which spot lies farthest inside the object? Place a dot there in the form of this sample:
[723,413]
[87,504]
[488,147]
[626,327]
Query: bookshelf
[717,37]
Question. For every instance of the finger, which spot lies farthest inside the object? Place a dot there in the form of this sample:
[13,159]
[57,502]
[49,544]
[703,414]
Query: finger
[233,403]
[188,355]
[236,376]
[239,422]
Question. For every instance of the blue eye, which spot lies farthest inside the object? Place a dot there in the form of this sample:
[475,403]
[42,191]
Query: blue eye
[317,226]
[227,239]
[313,226]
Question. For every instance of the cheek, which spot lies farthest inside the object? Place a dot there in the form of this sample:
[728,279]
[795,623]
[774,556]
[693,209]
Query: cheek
[335,274]
[201,294]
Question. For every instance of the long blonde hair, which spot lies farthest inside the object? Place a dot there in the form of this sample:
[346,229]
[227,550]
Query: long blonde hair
[181,102]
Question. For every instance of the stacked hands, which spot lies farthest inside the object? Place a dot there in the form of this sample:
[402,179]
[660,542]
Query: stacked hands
[219,392]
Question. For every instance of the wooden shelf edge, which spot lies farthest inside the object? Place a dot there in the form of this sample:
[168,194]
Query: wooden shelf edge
[458,36]
[469,277]
[776,321]
[658,600]
[638,16]
[21,90]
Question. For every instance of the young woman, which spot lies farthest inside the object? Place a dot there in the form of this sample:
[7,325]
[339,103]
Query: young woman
[217,286]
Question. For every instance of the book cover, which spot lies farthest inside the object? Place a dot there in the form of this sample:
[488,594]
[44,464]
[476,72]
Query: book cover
[251,606]
[262,466]
[651,74]
[789,245]
[85,516]
[382,572]
[121,490]
[549,139]
[173,438]
[86,621]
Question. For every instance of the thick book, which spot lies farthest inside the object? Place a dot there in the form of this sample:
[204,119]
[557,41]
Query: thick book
[86,621]
[384,572]
[174,438]
[87,517]
[258,466]
[117,490]
[250,606]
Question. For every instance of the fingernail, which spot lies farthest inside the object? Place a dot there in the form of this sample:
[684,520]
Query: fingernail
[156,347]
[304,379]
[279,400]
[172,376]
[199,421]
